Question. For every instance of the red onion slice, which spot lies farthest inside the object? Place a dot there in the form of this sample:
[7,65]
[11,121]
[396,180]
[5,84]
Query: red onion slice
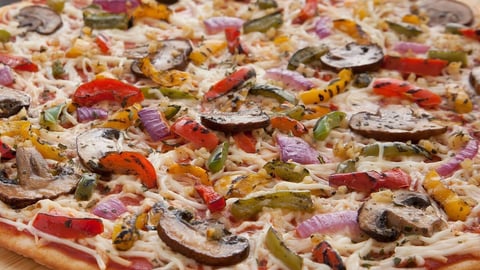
[6,76]
[110,208]
[85,114]
[215,25]
[297,150]
[330,223]
[323,26]
[155,126]
[117,6]
[404,47]
[468,152]
[291,79]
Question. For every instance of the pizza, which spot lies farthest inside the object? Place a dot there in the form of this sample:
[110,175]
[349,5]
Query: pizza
[267,134]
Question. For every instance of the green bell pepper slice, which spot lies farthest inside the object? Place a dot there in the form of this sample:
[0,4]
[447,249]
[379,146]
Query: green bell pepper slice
[328,122]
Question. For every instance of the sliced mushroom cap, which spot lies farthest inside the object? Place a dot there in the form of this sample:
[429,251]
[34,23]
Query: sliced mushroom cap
[442,12]
[167,2]
[475,79]
[406,213]
[12,101]
[170,54]
[34,181]
[94,144]
[41,19]
[236,121]
[395,123]
[207,241]
[358,57]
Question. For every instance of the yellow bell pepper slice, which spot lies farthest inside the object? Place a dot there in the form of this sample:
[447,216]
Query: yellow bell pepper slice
[152,10]
[192,170]
[124,118]
[166,78]
[453,205]
[337,86]
[207,49]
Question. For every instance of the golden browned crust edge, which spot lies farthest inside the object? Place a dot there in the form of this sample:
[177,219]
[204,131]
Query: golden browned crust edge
[23,243]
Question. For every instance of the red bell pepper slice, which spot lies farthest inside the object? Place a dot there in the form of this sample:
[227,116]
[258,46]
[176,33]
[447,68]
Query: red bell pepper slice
[232,34]
[214,201]
[471,33]
[68,227]
[389,87]
[231,83]
[106,89]
[308,11]
[103,42]
[245,141]
[131,163]
[195,133]
[6,152]
[419,66]
[287,124]
[324,253]
[371,180]
[18,63]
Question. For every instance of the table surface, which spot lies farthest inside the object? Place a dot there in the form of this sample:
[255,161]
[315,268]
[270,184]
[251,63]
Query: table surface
[12,261]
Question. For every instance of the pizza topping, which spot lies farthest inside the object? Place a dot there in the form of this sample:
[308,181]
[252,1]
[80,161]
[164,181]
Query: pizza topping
[125,233]
[35,180]
[296,149]
[395,123]
[407,30]
[109,208]
[18,63]
[128,162]
[419,66]
[6,76]
[245,141]
[290,79]
[217,159]
[41,19]
[266,4]
[86,114]
[335,87]
[323,27]
[448,11]
[214,201]
[287,171]
[324,253]
[169,54]
[457,94]
[215,25]
[370,181]
[271,91]
[475,79]
[449,56]
[469,151]
[96,18]
[287,199]
[414,47]
[117,6]
[195,133]
[93,144]
[6,152]
[326,123]
[352,29]
[385,219]
[206,241]
[68,227]
[355,56]
[191,171]
[454,206]
[155,124]
[12,101]
[106,89]
[278,248]
[288,125]
[85,187]
[265,23]
[309,55]
[124,118]
[394,149]
[309,10]
[397,88]
[233,82]
[233,122]
[330,223]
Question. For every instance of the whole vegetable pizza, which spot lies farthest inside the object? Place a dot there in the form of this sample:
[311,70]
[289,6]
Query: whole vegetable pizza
[261,134]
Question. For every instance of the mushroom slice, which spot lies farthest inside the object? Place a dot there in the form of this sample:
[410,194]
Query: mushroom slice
[236,121]
[170,54]
[206,241]
[34,181]
[442,12]
[475,79]
[93,144]
[358,57]
[12,101]
[408,213]
[395,123]
[41,19]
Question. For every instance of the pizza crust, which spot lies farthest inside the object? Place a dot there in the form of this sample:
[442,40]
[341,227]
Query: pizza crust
[51,256]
